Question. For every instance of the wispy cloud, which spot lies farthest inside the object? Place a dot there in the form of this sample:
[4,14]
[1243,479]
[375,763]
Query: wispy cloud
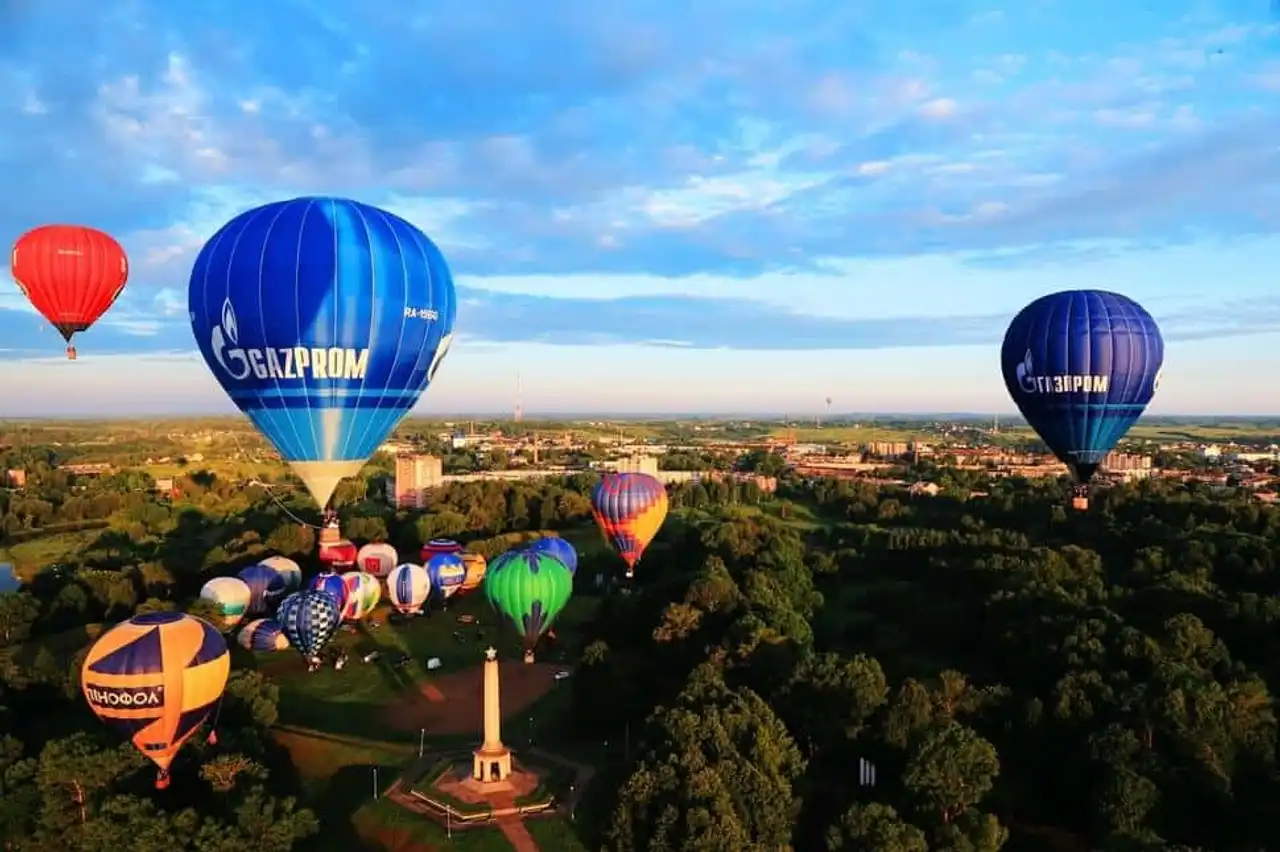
[638,138]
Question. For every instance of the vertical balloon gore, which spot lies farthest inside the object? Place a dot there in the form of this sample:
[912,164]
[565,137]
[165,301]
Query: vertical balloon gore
[324,320]
[1081,366]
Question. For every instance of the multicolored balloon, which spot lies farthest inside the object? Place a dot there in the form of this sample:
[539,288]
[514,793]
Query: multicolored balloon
[71,274]
[629,508]
[1081,366]
[266,586]
[377,558]
[530,589]
[363,593]
[231,596]
[286,568]
[476,566]
[263,634]
[156,678]
[309,619]
[448,572]
[559,548]
[437,546]
[332,585]
[324,319]
[408,587]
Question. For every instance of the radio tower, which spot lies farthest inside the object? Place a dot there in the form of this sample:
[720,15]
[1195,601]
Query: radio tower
[519,412]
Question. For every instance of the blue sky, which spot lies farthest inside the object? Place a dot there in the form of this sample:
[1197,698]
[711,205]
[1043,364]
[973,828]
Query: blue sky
[713,205]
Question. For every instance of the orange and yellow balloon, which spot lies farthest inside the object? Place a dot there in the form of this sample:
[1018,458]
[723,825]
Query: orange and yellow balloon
[476,566]
[156,678]
[630,509]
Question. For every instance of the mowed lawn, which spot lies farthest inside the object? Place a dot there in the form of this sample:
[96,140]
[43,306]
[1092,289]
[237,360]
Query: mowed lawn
[351,701]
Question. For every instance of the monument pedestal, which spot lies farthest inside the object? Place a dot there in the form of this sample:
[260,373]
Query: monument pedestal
[491,767]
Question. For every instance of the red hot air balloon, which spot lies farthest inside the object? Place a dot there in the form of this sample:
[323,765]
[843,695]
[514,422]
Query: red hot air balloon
[70,273]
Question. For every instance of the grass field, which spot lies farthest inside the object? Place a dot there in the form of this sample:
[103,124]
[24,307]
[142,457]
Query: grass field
[29,557]
[222,468]
[1220,431]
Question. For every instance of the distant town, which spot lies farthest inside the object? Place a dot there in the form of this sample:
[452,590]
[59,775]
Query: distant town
[427,456]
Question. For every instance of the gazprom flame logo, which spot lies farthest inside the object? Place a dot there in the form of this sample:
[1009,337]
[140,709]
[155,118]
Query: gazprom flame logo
[281,362]
[1029,382]
[232,360]
[1026,374]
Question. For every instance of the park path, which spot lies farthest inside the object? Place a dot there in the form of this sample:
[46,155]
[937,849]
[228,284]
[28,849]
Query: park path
[513,827]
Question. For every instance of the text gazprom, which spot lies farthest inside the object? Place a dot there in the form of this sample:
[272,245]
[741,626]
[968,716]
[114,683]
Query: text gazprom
[299,362]
[1069,384]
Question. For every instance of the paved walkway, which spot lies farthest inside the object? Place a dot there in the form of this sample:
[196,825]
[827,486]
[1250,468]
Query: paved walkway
[513,827]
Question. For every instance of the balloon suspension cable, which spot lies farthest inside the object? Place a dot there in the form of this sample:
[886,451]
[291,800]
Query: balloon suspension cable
[212,739]
[268,486]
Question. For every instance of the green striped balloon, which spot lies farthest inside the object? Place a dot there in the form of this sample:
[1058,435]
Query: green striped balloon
[529,588]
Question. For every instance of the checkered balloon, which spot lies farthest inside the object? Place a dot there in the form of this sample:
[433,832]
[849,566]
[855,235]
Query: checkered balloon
[309,619]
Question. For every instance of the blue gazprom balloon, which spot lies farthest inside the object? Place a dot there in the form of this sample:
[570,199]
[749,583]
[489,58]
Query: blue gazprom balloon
[324,320]
[1082,365]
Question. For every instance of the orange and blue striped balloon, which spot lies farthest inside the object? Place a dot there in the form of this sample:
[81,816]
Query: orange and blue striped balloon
[156,678]
[629,509]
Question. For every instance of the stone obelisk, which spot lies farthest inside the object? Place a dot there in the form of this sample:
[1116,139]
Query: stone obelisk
[492,764]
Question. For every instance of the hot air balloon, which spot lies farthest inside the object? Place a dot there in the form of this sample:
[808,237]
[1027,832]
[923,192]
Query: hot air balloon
[324,319]
[408,587]
[263,634]
[530,589]
[266,586]
[9,581]
[309,619]
[333,585]
[560,549]
[286,568]
[448,572]
[157,677]
[70,273]
[377,558]
[475,565]
[338,554]
[1081,366]
[231,596]
[363,593]
[437,546]
[629,509]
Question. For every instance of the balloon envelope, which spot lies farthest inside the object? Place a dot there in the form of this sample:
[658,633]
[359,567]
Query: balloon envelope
[309,619]
[377,558]
[286,568]
[437,546]
[1081,366]
[629,508]
[9,581]
[560,549]
[266,585]
[231,596]
[363,593]
[448,572]
[333,585]
[263,634]
[156,678]
[324,319]
[338,554]
[408,587]
[476,566]
[530,589]
[70,273]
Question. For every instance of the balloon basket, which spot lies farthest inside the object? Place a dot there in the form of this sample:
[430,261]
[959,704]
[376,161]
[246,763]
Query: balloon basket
[1080,504]
[71,353]
[528,658]
[162,781]
[213,738]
